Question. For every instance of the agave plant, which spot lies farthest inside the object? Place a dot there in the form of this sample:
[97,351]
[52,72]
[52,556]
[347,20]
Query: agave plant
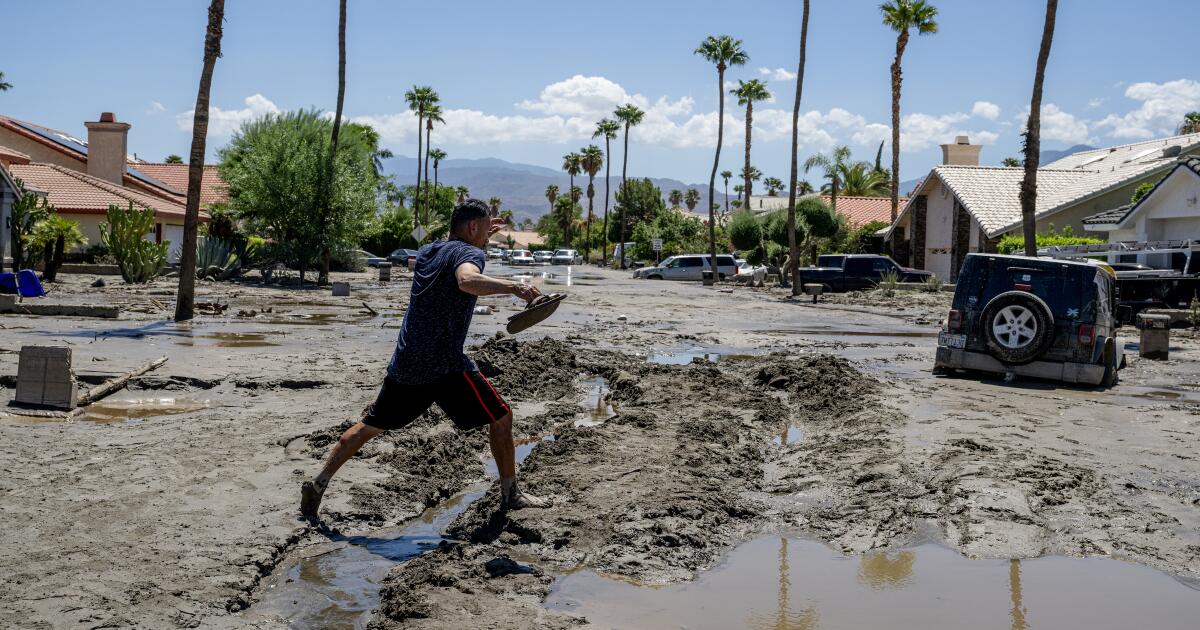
[124,234]
[222,259]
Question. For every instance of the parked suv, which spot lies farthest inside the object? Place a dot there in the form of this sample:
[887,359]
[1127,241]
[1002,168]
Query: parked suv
[689,267]
[853,272]
[566,257]
[1039,317]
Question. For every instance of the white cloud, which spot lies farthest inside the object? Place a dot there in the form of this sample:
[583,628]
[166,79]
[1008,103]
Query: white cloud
[1162,109]
[223,122]
[984,109]
[778,74]
[579,96]
[1096,102]
[1059,125]
[156,108]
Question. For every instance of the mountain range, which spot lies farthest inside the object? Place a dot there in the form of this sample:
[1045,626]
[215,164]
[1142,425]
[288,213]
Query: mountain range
[522,187]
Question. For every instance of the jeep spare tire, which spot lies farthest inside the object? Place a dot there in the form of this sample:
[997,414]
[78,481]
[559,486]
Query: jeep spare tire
[1018,327]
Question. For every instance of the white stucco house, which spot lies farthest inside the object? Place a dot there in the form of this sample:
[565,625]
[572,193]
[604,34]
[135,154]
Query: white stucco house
[961,207]
[1169,212]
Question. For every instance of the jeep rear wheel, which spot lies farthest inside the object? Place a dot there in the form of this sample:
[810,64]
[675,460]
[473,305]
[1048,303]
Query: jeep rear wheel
[1018,327]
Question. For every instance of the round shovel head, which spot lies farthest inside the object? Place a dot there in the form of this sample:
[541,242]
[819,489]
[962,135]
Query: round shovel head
[538,310]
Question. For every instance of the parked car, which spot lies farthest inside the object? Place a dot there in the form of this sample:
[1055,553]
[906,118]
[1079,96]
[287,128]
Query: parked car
[566,257]
[852,272]
[493,253]
[520,257]
[371,260]
[543,256]
[1039,317]
[403,257]
[689,267]
[505,255]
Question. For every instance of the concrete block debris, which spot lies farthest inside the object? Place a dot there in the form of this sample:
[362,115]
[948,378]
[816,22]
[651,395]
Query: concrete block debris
[44,377]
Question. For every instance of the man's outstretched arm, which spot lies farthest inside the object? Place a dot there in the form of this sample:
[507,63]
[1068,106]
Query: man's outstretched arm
[471,280]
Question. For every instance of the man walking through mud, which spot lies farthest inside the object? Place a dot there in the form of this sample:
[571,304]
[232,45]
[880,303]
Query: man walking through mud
[429,365]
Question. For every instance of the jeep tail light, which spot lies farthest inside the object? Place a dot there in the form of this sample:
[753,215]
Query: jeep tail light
[1087,334]
[954,320]
[1023,287]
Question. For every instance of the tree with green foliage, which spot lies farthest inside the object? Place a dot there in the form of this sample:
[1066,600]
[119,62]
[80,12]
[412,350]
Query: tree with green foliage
[552,195]
[52,237]
[433,114]
[388,231]
[419,99]
[675,198]
[437,155]
[4,85]
[573,165]
[831,167]
[726,175]
[1141,191]
[591,158]
[173,159]
[463,192]
[747,93]
[861,240]
[274,166]
[566,213]
[26,211]
[820,220]
[630,116]
[494,203]
[745,231]
[691,198]
[903,16]
[1010,162]
[638,200]
[860,180]
[1190,124]
[1015,243]
[722,51]
[608,129]
[773,186]
[680,235]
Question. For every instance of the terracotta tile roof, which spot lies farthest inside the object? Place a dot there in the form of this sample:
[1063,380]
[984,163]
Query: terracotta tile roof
[860,211]
[991,193]
[73,192]
[213,189]
[12,156]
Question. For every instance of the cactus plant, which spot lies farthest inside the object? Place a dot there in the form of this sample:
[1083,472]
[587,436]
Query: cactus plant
[140,260]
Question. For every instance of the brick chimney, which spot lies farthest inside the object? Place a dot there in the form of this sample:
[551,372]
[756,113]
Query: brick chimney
[962,152]
[107,148]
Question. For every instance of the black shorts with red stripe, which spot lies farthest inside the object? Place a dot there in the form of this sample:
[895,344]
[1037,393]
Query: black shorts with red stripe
[467,397]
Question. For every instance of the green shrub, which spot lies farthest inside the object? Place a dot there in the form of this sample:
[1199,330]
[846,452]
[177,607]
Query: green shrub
[932,284]
[745,231]
[124,235]
[888,281]
[1015,243]
[1141,191]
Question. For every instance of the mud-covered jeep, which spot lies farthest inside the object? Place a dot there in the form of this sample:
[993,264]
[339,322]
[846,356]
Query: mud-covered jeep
[1039,317]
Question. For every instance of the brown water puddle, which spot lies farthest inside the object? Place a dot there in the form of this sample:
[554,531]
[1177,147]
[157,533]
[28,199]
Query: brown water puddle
[795,584]
[228,340]
[108,411]
[841,332]
[596,403]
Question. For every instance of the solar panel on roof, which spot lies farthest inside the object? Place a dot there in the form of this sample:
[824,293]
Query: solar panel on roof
[70,142]
[150,180]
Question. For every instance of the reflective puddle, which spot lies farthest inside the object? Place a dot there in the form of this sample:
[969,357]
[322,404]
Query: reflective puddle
[596,403]
[842,332]
[796,584]
[110,410]
[227,340]
[791,435]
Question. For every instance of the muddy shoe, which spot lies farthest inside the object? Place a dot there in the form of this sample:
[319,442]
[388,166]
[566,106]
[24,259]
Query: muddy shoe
[310,499]
[520,500]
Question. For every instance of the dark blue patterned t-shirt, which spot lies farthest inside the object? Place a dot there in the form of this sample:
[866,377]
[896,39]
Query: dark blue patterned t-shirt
[431,339]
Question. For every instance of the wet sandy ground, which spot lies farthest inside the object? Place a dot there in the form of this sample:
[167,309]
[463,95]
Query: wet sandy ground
[179,520]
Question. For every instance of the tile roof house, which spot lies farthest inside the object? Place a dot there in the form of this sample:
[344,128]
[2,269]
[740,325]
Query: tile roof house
[213,189]
[1170,211]
[857,210]
[962,207]
[8,193]
[82,178]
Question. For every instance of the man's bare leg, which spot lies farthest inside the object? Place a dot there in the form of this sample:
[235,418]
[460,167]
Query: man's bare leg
[504,452]
[347,445]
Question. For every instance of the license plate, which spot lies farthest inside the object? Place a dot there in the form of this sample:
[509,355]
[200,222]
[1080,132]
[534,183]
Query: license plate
[952,341]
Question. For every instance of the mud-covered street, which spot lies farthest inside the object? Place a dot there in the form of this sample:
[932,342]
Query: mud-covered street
[684,434]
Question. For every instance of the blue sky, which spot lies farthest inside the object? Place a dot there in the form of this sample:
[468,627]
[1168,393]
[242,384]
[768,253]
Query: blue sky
[525,81]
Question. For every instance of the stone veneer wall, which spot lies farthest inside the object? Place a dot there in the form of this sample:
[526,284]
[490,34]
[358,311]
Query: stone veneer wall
[918,232]
[962,239]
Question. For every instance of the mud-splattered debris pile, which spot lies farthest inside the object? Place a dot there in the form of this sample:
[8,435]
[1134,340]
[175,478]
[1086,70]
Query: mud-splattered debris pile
[824,386]
[531,370]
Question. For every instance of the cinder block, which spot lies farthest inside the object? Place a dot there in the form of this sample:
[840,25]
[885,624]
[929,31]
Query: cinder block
[341,289]
[44,377]
[385,272]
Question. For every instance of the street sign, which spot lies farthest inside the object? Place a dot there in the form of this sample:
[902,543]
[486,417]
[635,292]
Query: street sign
[419,233]
[657,244]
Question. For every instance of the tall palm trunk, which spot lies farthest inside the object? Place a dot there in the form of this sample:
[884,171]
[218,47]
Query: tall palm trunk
[793,246]
[186,296]
[587,234]
[901,43]
[417,191]
[727,196]
[607,178]
[435,175]
[624,164]
[712,179]
[425,202]
[327,198]
[571,196]
[749,126]
[1033,136]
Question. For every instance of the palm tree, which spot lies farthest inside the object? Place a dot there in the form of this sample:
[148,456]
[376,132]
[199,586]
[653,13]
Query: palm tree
[463,193]
[564,216]
[607,128]
[1010,162]
[551,195]
[737,191]
[186,296]
[4,85]
[507,215]
[327,185]
[1033,135]
[572,164]
[804,187]
[494,204]
[691,198]
[55,234]
[438,155]
[747,92]
[861,180]
[901,16]
[1191,120]
[773,185]
[631,116]
[675,198]
[173,159]
[725,175]
[831,167]
[722,51]
[419,98]
[433,113]
[748,176]
[591,159]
